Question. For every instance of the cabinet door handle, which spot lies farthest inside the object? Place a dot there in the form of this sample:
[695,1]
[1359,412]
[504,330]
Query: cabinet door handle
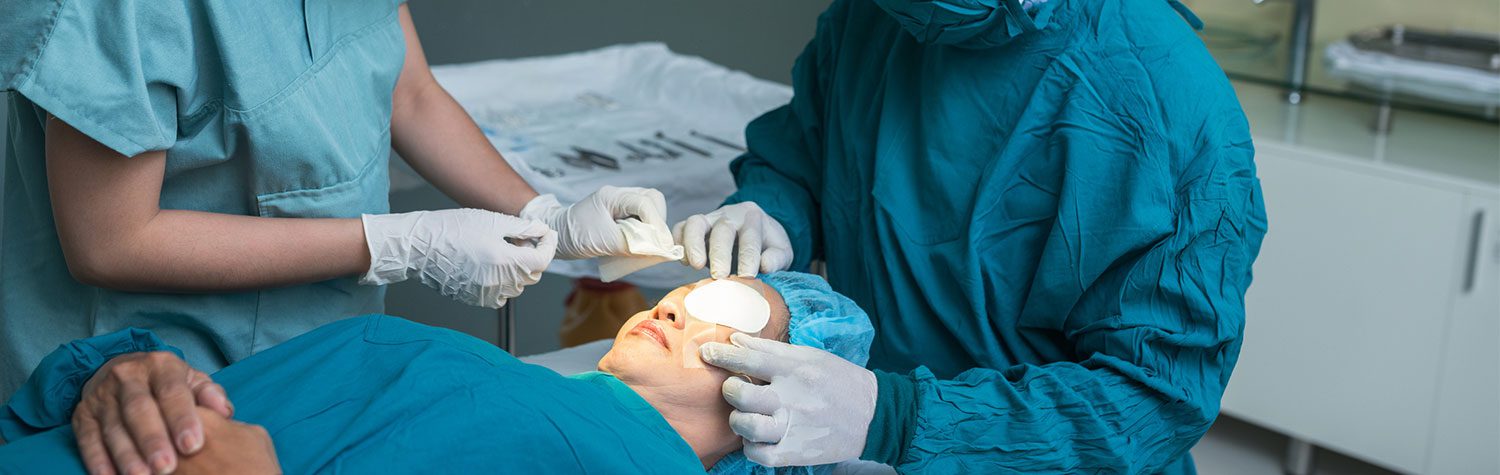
[1476,231]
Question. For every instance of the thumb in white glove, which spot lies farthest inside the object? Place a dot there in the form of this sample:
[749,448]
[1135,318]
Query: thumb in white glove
[477,257]
[763,243]
[814,409]
[588,228]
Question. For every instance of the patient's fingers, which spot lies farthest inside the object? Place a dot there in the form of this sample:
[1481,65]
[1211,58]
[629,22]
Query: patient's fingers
[759,428]
[143,421]
[118,443]
[91,444]
[750,397]
[177,402]
[209,394]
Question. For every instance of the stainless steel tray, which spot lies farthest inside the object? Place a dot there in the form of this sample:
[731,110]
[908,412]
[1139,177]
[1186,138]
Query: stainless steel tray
[1458,49]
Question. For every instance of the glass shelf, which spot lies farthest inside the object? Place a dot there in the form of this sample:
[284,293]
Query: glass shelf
[1251,42]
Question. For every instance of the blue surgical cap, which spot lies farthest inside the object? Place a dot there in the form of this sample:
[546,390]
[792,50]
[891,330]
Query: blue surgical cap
[822,319]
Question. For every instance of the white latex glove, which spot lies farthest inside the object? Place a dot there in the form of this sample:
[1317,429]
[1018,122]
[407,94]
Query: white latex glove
[588,229]
[763,244]
[815,409]
[477,257]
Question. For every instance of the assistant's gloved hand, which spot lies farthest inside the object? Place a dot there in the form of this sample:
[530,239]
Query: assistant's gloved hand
[815,409]
[477,257]
[588,229]
[763,243]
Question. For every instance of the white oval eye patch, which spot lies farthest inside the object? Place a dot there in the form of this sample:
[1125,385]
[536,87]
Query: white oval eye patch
[729,303]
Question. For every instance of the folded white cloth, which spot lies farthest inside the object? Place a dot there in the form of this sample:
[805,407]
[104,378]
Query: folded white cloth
[650,245]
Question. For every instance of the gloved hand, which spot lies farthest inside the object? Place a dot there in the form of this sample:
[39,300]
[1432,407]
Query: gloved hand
[815,409]
[588,229]
[763,244]
[477,257]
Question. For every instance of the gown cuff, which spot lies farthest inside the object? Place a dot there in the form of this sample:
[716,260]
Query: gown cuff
[48,397]
[895,417]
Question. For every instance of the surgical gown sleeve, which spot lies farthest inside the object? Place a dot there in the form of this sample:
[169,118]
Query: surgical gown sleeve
[784,166]
[48,397]
[1149,301]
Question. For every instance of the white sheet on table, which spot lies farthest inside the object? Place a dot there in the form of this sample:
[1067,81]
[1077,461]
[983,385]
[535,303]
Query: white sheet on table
[533,108]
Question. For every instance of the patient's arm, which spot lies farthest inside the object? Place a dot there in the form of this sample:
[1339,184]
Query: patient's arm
[231,448]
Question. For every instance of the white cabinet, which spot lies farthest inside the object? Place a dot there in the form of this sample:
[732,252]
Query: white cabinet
[1466,424]
[1350,319]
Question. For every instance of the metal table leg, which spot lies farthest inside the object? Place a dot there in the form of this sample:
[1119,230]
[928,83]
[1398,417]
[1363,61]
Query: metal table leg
[1299,457]
[507,337]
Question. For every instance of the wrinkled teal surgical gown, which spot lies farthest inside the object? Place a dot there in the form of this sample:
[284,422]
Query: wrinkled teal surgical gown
[264,108]
[1050,217]
[379,394]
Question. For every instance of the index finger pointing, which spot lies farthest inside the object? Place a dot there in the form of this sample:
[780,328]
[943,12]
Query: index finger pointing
[739,360]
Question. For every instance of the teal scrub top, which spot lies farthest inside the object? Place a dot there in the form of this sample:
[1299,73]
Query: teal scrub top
[378,394]
[264,108]
[1050,217]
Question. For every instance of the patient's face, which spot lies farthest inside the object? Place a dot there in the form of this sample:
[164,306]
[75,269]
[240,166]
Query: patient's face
[657,348]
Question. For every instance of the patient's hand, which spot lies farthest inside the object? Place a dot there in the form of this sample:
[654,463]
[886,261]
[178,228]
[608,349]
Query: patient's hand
[231,448]
[137,413]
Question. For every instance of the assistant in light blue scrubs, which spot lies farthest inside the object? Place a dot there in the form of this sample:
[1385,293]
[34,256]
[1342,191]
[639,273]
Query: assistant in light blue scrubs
[1049,213]
[311,82]
[379,394]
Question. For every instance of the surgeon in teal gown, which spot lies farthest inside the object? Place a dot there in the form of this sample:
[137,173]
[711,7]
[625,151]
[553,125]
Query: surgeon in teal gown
[1050,213]
[379,394]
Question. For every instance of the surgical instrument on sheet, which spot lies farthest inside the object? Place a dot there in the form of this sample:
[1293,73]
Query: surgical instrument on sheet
[548,171]
[588,159]
[683,145]
[636,154]
[597,158]
[717,140]
[671,154]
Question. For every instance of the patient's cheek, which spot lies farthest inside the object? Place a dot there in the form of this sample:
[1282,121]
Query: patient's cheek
[695,333]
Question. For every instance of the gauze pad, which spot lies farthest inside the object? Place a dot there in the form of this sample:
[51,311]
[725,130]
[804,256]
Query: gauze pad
[649,246]
[729,303]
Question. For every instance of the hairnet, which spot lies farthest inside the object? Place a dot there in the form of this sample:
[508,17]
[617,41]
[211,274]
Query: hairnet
[822,319]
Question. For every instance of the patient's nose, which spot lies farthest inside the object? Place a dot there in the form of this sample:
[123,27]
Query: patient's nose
[669,312]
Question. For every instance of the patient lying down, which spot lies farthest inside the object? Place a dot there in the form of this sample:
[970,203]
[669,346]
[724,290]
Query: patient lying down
[382,394]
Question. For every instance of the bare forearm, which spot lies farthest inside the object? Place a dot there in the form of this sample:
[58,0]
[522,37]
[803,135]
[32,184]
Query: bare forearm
[434,134]
[190,251]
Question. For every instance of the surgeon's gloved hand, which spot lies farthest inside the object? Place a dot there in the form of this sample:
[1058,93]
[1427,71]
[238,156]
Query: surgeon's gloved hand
[477,257]
[588,229]
[763,243]
[815,409]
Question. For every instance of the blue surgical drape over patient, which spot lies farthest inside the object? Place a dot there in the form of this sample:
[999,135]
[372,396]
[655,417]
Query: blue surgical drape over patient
[380,394]
[1050,217]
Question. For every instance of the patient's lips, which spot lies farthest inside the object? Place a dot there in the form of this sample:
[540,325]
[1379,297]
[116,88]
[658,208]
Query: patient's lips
[649,329]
